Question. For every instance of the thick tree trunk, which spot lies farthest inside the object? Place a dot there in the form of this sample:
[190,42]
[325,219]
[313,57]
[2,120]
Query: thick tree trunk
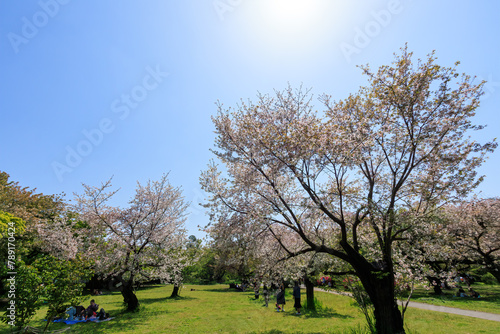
[378,282]
[388,318]
[380,288]
[436,285]
[309,294]
[175,292]
[129,296]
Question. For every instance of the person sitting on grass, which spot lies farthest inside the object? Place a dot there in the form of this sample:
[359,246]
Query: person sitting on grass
[92,309]
[76,313]
[474,294]
[71,311]
[461,293]
[102,315]
[79,312]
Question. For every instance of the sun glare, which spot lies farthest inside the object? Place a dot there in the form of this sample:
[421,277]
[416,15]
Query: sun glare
[289,15]
[288,29]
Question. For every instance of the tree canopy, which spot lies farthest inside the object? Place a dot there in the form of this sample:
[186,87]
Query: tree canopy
[139,242]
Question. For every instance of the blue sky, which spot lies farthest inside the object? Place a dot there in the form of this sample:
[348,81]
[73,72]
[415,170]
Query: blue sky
[94,89]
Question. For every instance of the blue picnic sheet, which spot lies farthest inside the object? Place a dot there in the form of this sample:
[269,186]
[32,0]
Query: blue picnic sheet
[74,321]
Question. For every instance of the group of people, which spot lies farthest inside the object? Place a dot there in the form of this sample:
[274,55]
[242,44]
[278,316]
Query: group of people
[239,287]
[280,295]
[280,298]
[472,293]
[89,313]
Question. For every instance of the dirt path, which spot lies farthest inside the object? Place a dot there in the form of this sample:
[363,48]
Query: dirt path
[452,310]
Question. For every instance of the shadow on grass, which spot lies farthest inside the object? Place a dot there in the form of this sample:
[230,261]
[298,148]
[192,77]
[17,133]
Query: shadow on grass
[117,325]
[226,290]
[147,301]
[276,331]
[322,313]
[149,287]
[325,313]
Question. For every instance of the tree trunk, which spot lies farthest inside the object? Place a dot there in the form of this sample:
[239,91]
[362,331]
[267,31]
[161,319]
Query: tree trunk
[309,294]
[378,282]
[175,292]
[387,315]
[436,285]
[380,288]
[129,296]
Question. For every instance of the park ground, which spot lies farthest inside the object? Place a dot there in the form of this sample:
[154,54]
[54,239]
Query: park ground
[218,309]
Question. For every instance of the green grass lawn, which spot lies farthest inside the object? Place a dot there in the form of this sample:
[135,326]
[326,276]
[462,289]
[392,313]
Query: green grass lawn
[216,309]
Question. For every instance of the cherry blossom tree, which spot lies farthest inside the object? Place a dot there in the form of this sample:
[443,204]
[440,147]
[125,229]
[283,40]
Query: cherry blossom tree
[276,252]
[262,253]
[367,170]
[63,237]
[458,236]
[475,229]
[139,242]
[234,246]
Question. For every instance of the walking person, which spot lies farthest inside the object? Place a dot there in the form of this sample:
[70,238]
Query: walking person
[296,297]
[280,299]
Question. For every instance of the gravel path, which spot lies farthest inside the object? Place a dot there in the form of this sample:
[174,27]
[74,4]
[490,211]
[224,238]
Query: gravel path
[452,310]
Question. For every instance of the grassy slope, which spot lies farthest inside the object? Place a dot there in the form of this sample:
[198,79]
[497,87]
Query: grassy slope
[215,309]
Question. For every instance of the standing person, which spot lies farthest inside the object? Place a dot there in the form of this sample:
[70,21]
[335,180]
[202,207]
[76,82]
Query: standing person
[256,287]
[296,296]
[265,292]
[280,299]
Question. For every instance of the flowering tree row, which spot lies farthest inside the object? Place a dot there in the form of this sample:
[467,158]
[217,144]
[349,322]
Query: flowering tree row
[354,180]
